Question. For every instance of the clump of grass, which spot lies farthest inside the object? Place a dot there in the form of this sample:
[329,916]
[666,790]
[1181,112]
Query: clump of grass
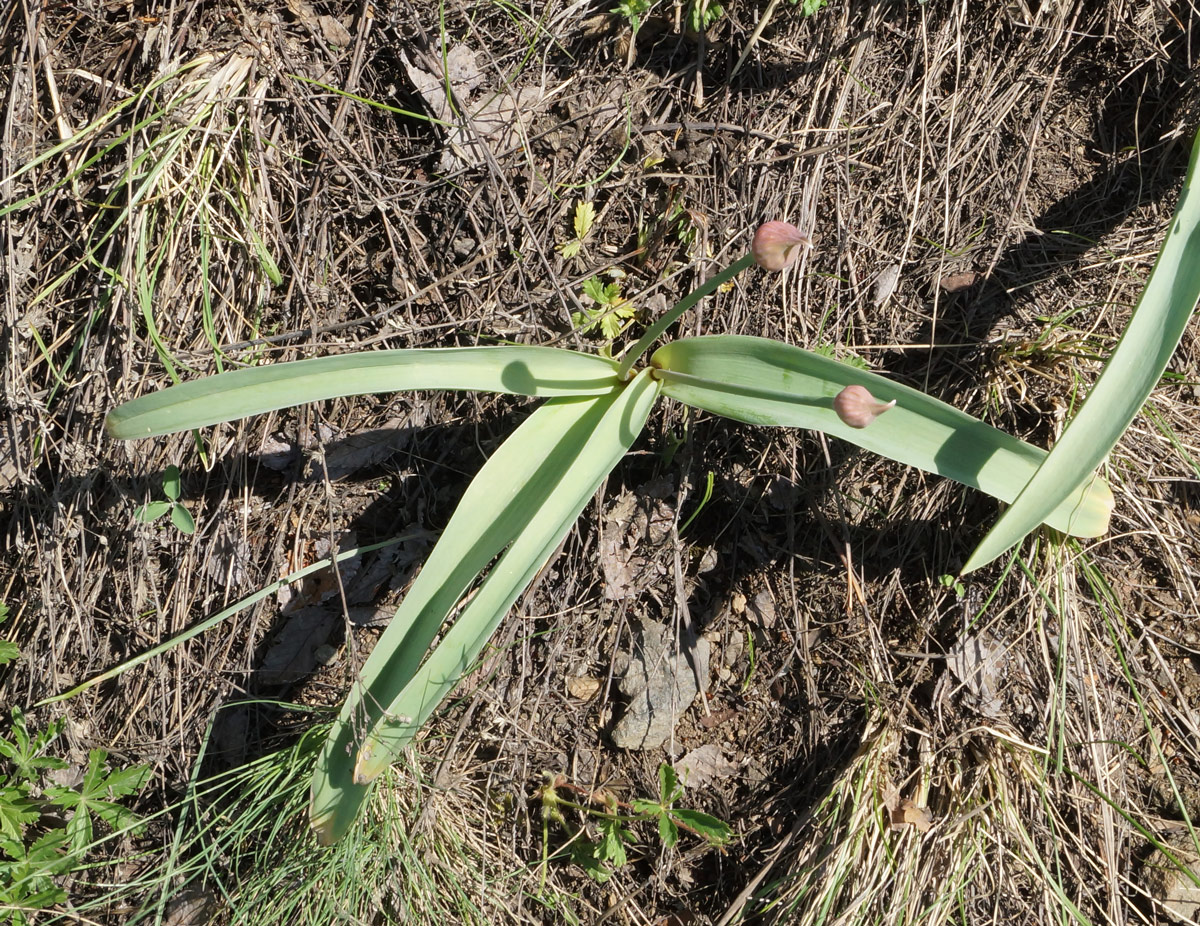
[240,848]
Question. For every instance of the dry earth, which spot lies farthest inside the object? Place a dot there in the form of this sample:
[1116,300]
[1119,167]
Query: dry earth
[987,185]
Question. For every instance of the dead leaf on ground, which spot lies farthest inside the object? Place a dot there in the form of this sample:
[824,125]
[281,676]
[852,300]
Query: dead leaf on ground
[323,584]
[885,284]
[980,665]
[582,687]
[358,451]
[908,813]
[957,282]
[227,557]
[194,907]
[461,69]
[1171,885]
[293,653]
[762,609]
[278,452]
[327,27]
[704,765]
[636,528]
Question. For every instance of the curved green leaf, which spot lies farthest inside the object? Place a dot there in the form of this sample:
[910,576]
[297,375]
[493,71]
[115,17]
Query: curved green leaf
[1133,370]
[525,499]
[764,382]
[519,369]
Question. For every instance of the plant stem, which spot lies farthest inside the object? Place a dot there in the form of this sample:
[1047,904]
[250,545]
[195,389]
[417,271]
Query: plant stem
[653,333]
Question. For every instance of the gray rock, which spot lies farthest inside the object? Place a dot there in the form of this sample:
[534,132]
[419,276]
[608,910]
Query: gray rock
[660,680]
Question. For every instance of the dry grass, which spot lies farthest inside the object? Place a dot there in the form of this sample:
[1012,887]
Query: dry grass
[187,192]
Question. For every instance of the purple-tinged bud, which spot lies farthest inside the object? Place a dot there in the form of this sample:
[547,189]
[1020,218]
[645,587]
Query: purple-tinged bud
[857,407]
[777,245]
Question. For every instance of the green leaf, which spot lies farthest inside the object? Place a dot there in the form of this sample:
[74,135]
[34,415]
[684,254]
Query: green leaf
[702,15]
[152,511]
[517,369]
[265,260]
[668,783]
[611,325]
[1131,373]
[668,831]
[525,498]
[182,519]
[709,827]
[612,842]
[595,288]
[100,782]
[16,811]
[171,482]
[586,855]
[585,216]
[767,383]
[571,249]
[8,652]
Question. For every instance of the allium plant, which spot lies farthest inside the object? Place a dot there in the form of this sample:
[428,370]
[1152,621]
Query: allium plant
[527,496]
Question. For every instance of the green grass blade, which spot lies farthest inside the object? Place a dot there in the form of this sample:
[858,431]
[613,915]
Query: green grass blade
[1133,370]
[528,494]
[764,382]
[523,370]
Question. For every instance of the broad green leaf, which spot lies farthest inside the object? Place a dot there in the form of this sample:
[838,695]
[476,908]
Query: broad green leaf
[535,371]
[764,382]
[1133,370]
[706,825]
[152,511]
[668,831]
[523,501]
[171,482]
[182,519]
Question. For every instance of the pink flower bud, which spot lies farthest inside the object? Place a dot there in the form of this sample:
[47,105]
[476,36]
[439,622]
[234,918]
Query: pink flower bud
[777,245]
[857,407]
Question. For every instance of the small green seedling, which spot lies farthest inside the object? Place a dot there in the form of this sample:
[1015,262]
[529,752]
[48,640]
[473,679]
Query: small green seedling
[585,218]
[36,848]
[701,15]
[672,819]
[633,11]
[599,846]
[612,313]
[954,583]
[180,516]
[809,7]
